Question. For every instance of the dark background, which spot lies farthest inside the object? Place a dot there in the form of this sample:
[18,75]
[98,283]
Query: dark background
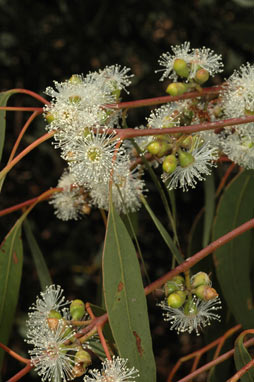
[48,40]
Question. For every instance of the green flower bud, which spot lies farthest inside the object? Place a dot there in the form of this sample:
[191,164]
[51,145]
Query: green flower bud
[176,299]
[201,76]
[77,309]
[179,280]
[200,278]
[185,158]
[205,292]
[190,308]
[187,142]
[78,370]
[49,117]
[74,99]
[169,164]
[55,314]
[83,357]
[75,79]
[180,66]
[176,88]
[154,147]
[248,112]
[170,287]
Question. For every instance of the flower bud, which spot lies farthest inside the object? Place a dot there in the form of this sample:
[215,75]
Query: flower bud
[83,357]
[55,314]
[176,299]
[170,287]
[248,112]
[49,117]
[78,370]
[176,88]
[200,278]
[190,308]
[74,99]
[202,75]
[169,164]
[185,158]
[75,79]
[187,142]
[77,309]
[180,66]
[205,292]
[153,147]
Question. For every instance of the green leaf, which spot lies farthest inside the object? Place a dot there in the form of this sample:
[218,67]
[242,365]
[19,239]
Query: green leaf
[4,96]
[40,264]
[209,208]
[165,235]
[125,299]
[233,260]
[11,260]
[242,357]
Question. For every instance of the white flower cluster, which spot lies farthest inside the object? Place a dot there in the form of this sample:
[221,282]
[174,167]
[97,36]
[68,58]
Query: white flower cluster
[80,118]
[195,59]
[52,355]
[114,370]
[199,316]
[237,98]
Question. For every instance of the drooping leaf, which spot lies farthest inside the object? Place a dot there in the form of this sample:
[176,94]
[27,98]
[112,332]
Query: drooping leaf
[40,264]
[125,299]
[209,208]
[11,260]
[4,96]
[242,357]
[165,235]
[233,260]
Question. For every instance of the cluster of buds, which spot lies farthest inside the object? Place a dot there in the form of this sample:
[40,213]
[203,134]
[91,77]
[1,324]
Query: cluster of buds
[183,70]
[176,290]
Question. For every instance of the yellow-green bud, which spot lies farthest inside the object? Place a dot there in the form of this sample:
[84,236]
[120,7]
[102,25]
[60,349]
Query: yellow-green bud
[170,287]
[176,299]
[205,292]
[154,147]
[248,112]
[190,308]
[74,99]
[78,370]
[75,79]
[202,75]
[83,357]
[77,309]
[179,280]
[176,88]
[49,117]
[180,66]
[187,142]
[200,278]
[169,164]
[55,314]
[185,158]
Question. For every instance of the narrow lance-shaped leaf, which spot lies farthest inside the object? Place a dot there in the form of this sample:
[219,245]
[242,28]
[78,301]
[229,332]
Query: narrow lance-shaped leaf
[125,299]
[165,235]
[242,357]
[4,96]
[233,260]
[11,260]
[209,208]
[40,264]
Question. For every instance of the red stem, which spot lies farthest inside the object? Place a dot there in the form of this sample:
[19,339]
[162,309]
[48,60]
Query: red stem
[21,108]
[14,355]
[32,94]
[25,127]
[164,99]
[190,262]
[21,373]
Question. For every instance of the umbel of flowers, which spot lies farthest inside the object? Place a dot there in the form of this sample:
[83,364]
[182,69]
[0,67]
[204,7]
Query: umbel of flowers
[190,305]
[86,129]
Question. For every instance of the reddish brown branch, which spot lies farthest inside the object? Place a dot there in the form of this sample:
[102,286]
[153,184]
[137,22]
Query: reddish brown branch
[21,373]
[190,262]
[14,355]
